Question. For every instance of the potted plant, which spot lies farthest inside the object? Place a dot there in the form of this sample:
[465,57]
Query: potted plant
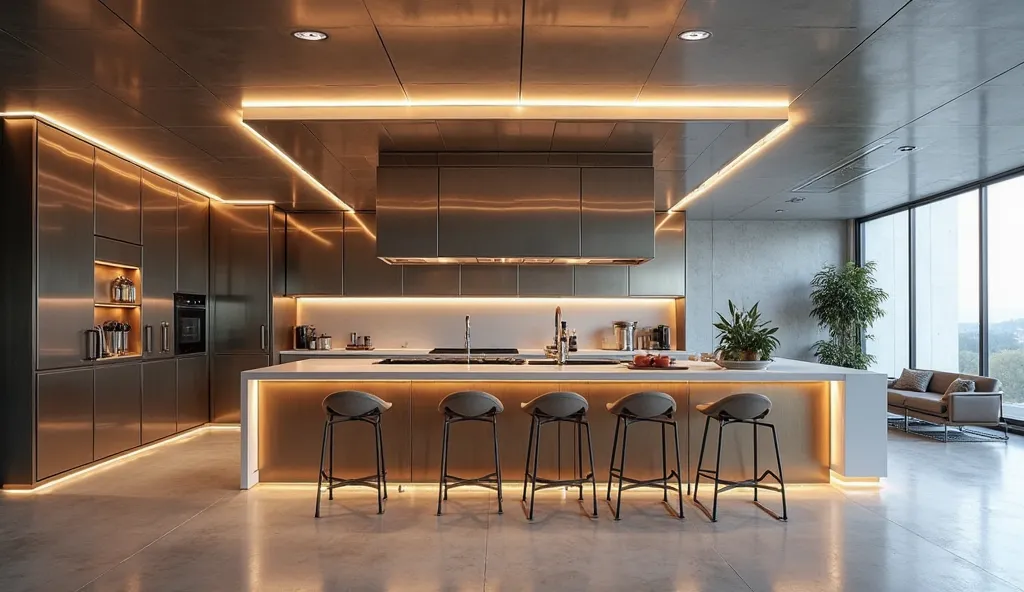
[745,338]
[846,302]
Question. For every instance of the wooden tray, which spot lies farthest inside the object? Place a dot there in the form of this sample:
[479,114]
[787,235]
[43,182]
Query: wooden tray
[631,366]
[358,348]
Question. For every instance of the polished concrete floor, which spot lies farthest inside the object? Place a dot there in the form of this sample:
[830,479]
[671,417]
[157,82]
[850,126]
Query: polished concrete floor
[950,517]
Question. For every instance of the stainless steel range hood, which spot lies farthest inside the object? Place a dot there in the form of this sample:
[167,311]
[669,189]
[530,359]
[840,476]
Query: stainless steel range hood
[515,215]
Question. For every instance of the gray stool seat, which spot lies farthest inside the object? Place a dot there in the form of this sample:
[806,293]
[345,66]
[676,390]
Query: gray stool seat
[558,404]
[739,406]
[558,407]
[350,406]
[471,404]
[354,404]
[644,405]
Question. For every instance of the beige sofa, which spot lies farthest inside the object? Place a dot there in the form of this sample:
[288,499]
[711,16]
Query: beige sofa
[983,407]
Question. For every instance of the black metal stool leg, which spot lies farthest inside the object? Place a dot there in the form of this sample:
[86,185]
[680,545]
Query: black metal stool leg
[755,461]
[622,468]
[529,449]
[782,482]
[330,466]
[679,470]
[444,463]
[376,455]
[579,454]
[320,469]
[718,471]
[536,456]
[383,465]
[664,465]
[611,467]
[497,459]
[593,472]
[700,459]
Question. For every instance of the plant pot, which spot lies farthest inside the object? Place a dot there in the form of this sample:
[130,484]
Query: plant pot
[750,356]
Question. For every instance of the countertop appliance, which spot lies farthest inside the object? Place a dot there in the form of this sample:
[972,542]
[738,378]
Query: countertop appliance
[495,361]
[625,333]
[189,323]
[303,333]
[661,337]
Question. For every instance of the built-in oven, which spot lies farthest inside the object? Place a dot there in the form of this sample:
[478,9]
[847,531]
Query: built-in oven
[189,324]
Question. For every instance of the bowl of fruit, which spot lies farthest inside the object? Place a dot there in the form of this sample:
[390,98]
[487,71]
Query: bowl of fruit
[653,362]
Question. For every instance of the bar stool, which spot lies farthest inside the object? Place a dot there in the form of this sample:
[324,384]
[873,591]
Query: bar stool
[469,406]
[345,406]
[748,408]
[651,407]
[558,407]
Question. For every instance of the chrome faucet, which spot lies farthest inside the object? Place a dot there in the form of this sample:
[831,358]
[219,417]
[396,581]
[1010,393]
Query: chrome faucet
[560,351]
[469,349]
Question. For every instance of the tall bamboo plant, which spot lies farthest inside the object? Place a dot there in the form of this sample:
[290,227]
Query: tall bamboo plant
[847,303]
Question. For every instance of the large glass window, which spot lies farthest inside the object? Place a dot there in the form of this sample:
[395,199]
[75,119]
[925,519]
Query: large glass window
[946,285]
[1006,291]
[886,241]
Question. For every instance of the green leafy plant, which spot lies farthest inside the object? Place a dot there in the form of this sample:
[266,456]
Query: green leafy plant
[846,303]
[744,336]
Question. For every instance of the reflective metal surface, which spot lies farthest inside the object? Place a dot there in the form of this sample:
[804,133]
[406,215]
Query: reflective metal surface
[64,408]
[431,280]
[224,377]
[617,212]
[159,261]
[193,391]
[159,399]
[241,278]
[490,280]
[509,212]
[315,253]
[118,409]
[602,280]
[545,280]
[118,198]
[64,248]
[193,242]
[407,212]
[665,275]
[365,274]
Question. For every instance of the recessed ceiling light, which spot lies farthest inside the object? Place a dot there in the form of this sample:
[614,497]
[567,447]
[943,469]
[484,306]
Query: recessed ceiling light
[310,35]
[907,148]
[796,199]
[779,211]
[695,35]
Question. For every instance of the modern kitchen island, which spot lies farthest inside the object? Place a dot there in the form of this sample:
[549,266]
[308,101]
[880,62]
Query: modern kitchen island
[830,420]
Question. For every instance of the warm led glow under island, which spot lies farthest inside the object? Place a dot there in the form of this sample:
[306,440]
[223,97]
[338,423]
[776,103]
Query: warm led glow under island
[831,421]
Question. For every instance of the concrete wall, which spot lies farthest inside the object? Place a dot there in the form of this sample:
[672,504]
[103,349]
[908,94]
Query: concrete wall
[758,261]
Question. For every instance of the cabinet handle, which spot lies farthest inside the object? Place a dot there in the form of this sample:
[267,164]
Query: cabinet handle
[263,337]
[148,333]
[165,345]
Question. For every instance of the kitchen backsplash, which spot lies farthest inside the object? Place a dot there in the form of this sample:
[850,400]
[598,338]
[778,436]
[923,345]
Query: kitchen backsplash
[496,322]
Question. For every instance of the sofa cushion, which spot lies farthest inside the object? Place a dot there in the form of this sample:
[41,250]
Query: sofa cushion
[941,380]
[897,398]
[984,384]
[960,385]
[932,403]
[914,380]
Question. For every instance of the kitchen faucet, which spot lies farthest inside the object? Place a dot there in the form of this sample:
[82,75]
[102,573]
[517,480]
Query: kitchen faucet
[469,348]
[560,351]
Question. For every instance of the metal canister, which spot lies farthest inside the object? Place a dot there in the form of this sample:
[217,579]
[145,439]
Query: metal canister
[367,342]
[352,338]
[625,332]
[325,342]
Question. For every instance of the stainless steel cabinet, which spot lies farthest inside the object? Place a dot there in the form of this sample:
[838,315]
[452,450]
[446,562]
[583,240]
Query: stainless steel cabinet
[241,279]
[406,212]
[665,275]
[545,280]
[602,280]
[64,411]
[490,280]
[159,264]
[193,242]
[365,274]
[118,408]
[193,391]
[315,254]
[159,399]
[617,206]
[64,248]
[430,280]
[118,198]
[225,382]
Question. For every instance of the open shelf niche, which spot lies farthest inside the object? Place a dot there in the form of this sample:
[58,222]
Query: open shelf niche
[118,259]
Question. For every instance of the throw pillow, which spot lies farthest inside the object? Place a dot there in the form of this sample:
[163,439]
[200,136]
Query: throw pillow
[913,380]
[960,385]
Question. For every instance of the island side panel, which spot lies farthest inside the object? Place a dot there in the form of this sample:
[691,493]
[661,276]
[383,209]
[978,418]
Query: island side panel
[860,443]
[800,412]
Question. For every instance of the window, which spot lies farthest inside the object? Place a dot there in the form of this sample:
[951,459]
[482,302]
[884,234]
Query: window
[886,241]
[946,285]
[1006,291]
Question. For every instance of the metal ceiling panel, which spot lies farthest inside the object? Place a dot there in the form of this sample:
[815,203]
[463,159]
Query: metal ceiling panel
[602,13]
[446,13]
[413,136]
[222,14]
[590,55]
[25,68]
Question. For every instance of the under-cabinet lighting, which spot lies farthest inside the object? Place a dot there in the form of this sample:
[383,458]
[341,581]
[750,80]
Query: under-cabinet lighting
[461,301]
[116,305]
[769,138]
[482,102]
[120,459]
[117,265]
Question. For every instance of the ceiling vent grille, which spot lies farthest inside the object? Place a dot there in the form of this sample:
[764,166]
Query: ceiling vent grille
[856,166]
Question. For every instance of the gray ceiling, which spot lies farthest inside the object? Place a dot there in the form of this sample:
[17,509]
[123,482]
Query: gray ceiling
[165,80]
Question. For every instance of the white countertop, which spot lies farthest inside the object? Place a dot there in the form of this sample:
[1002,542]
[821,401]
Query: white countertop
[782,370]
[410,352]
